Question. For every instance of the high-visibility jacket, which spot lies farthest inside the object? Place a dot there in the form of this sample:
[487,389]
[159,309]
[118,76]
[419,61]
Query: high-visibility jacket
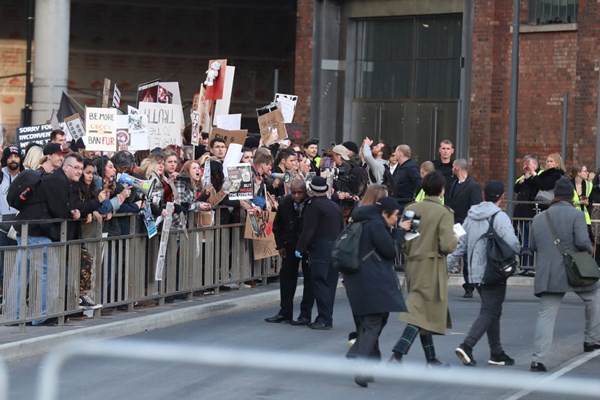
[421,195]
[587,189]
[539,171]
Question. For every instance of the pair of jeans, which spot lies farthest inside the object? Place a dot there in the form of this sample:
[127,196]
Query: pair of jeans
[42,284]
[488,320]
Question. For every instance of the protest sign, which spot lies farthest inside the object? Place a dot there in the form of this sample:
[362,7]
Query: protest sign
[123,137]
[164,124]
[222,106]
[259,228]
[204,110]
[271,124]
[229,137]
[75,126]
[242,187]
[116,102]
[148,91]
[105,92]
[232,122]
[138,130]
[287,105]
[293,131]
[215,91]
[195,118]
[38,133]
[100,129]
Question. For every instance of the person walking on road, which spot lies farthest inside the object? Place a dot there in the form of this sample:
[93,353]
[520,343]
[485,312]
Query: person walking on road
[426,276]
[492,295]
[550,274]
[374,291]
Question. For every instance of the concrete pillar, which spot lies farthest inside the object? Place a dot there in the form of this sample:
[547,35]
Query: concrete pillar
[51,56]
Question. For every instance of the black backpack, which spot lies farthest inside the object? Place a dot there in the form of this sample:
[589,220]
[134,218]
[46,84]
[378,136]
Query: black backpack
[502,261]
[22,189]
[344,255]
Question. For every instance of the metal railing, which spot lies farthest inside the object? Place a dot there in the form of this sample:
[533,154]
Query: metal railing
[43,280]
[49,385]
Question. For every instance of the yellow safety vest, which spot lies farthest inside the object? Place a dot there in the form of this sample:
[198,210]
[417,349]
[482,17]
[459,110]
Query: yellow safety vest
[588,192]
[421,196]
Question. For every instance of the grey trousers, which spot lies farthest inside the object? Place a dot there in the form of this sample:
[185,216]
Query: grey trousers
[544,327]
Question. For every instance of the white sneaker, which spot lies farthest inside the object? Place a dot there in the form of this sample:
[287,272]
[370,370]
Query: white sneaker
[86,303]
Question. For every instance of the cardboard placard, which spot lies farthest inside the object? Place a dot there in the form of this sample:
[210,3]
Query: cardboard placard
[242,185]
[222,106]
[293,131]
[204,110]
[238,137]
[100,129]
[37,133]
[272,126]
[263,240]
[215,92]
[75,126]
[195,118]
[232,122]
[164,124]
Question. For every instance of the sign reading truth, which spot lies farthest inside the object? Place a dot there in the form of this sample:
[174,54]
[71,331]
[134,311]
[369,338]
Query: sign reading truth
[164,124]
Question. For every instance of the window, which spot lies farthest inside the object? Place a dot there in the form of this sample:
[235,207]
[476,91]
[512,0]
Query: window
[402,58]
[542,12]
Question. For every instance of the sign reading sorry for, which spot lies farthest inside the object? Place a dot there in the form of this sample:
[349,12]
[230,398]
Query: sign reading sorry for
[37,133]
[101,129]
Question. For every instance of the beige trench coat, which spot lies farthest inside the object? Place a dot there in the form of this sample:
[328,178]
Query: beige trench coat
[426,274]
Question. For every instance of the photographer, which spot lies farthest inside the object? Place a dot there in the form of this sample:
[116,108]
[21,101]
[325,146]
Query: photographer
[344,183]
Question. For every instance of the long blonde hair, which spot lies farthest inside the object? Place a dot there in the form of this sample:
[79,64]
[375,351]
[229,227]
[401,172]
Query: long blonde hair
[559,161]
[34,158]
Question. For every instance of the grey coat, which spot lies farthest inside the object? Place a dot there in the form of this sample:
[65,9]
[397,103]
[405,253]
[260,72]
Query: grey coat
[569,222]
[477,224]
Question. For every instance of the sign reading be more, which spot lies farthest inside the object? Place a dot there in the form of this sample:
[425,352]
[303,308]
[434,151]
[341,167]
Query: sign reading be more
[101,129]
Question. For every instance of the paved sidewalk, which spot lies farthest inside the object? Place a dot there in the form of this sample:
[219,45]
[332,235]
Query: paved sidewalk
[40,339]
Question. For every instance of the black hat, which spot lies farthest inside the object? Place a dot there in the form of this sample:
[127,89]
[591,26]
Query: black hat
[387,204]
[350,145]
[563,188]
[493,190]
[8,151]
[53,148]
[252,142]
[318,186]
[77,144]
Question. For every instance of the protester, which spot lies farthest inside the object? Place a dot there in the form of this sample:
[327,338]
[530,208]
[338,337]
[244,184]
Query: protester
[11,167]
[551,282]
[426,276]
[376,156]
[476,226]
[33,158]
[60,137]
[374,290]
[54,155]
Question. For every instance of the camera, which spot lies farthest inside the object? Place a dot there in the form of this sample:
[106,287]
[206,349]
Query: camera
[335,171]
[416,223]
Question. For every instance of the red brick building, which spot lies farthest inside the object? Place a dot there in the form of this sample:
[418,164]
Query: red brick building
[559,56]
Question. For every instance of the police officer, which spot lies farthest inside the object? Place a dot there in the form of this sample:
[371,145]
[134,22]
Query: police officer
[322,223]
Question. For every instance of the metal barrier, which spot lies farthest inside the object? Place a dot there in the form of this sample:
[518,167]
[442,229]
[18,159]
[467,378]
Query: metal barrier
[48,388]
[197,259]
[3,381]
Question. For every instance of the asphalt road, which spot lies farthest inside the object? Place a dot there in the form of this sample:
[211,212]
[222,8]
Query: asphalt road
[110,378]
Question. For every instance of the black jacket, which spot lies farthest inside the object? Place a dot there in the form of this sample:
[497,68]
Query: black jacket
[406,181]
[287,224]
[525,191]
[51,199]
[321,220]
[446,170]
[462,196]
[375,289]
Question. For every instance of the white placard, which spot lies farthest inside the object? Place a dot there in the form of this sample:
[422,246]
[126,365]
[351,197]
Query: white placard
[100,129]
[138,131]
[222,107]
[287,104]
[233,156]
[164,124]
[195,118]
[231,122]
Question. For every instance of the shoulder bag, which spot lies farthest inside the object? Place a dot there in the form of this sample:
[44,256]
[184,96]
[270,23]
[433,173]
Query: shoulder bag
[581,268]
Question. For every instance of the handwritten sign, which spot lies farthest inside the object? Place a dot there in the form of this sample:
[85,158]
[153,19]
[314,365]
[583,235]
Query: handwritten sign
[272,126]
[101,129]
[164,124]
[229,137]
[287,105]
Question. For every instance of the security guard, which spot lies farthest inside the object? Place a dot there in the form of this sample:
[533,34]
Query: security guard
[322,223]
[582,190]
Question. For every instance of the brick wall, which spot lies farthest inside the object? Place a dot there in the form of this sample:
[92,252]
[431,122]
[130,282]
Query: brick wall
[303,63]
[550,65]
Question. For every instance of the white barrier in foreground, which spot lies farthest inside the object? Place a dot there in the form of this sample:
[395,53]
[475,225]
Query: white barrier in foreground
[311,364]
[3,381]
